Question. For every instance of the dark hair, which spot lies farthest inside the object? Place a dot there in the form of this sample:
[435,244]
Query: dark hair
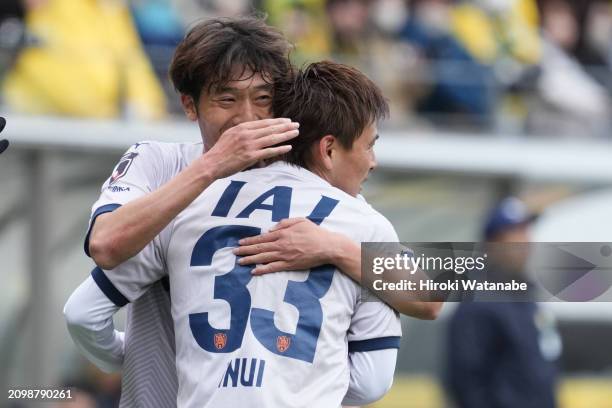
[206,57]
[327,98]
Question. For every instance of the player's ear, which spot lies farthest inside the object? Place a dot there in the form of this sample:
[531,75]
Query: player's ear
[326,148]
[189,107]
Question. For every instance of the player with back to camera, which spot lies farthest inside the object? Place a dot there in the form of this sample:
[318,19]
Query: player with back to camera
[154,181]
[280,340]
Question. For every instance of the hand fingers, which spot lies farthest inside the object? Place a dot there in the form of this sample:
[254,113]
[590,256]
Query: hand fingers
[276,138]
[264,258]
[286,223]
[273,152]
[255,248]
[258,239]
[270,130]
[262,123]
[278,266]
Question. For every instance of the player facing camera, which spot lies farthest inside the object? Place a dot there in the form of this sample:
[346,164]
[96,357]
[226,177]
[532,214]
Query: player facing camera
[338,109]
[224,70]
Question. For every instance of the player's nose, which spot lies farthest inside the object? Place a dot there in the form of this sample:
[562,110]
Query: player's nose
[248,112]
[373,162]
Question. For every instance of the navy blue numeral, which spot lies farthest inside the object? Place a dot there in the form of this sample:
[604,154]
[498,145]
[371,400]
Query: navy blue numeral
[305,297]
[230,287]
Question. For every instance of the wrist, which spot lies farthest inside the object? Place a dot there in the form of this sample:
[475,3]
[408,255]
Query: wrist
[206,169]
[345,254]
[340,249]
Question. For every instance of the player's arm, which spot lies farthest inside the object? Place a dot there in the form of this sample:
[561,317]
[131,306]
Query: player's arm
[371,376]
[298,243]
[119,234]
[373,341]
[89,310]
[89,318]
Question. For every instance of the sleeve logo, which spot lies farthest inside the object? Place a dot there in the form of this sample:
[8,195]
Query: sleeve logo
[123,166]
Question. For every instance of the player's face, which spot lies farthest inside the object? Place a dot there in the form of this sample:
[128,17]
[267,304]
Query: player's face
[351,167]
[239,101]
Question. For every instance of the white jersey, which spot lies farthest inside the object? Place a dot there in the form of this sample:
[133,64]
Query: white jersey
[149,370]
[278,340]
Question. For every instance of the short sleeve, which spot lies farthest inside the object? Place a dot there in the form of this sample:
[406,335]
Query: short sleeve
[138,172]
[374,326]
[129,280]
[383,230]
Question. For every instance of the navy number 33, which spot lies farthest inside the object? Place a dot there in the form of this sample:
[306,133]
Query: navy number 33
[232,287]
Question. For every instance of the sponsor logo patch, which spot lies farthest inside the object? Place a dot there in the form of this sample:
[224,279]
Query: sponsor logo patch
[117,189]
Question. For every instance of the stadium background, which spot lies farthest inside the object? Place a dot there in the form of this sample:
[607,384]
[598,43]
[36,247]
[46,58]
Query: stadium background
[489,98]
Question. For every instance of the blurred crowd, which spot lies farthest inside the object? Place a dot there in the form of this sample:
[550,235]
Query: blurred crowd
[499,66]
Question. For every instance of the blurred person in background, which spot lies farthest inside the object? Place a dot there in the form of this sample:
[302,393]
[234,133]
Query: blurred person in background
[503,354]
[305,24]
[192,10]
[570,101]
[476,50]
[12,32]
[457,85]
[351,28]
[86,61]
[157,22]
[594,46]
[160,29]
[161,25]
[364,33]
[361,33]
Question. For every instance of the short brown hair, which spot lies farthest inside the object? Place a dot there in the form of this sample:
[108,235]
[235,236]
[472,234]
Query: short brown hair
[204,59]
[327,98]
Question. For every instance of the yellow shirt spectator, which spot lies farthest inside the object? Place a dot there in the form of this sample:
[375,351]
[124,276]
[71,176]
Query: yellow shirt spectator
[89,63]
[489,35]
[304,22]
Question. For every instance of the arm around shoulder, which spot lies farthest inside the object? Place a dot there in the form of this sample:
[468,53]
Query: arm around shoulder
[118,235]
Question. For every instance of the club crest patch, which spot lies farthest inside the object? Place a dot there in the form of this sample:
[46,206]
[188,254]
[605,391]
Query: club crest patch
[220,340]
[283,343]
[123,166]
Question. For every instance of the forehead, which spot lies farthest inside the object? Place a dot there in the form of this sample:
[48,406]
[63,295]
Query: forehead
[244,79]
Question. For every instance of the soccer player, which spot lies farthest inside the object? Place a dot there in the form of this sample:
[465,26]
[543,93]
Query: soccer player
[290,339]
[224,70]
